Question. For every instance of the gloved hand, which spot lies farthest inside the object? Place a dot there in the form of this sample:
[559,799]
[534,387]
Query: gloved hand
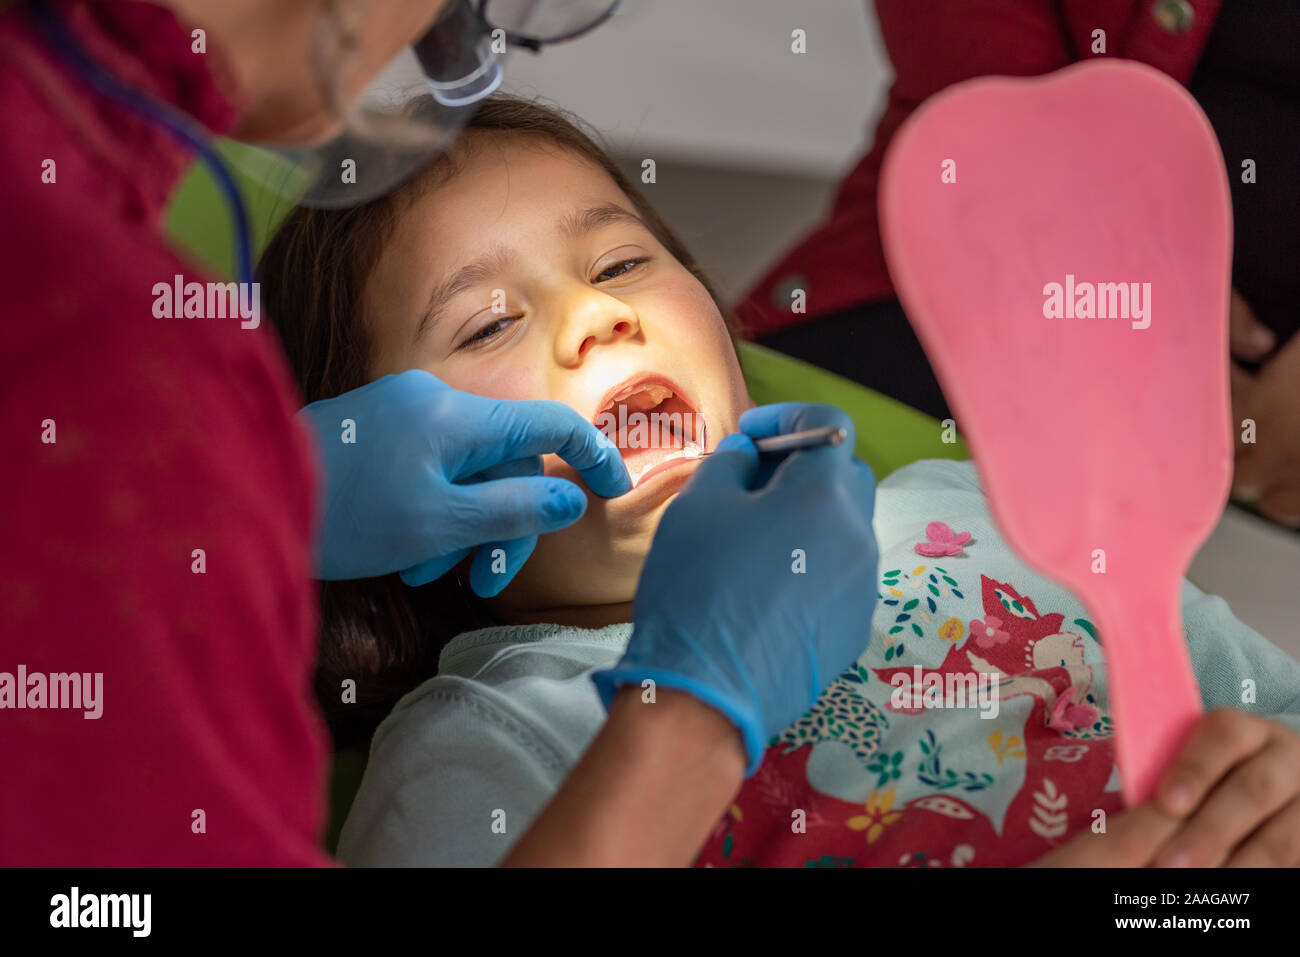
[431,472]
[727,609]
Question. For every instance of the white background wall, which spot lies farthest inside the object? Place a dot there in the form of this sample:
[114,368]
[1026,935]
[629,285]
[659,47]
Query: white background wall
[715,81]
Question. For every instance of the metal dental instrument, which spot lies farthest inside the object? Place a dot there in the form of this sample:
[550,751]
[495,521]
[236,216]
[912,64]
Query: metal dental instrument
[792,441]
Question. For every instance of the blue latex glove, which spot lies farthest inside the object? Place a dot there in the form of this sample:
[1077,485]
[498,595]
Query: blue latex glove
[433,472]
[720,611]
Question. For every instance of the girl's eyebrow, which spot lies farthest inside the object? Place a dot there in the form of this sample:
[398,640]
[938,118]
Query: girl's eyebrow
[499,258]
[466,277]
[576,224]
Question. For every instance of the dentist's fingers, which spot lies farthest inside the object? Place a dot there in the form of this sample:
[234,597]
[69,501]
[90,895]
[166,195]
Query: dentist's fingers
[504,509]
[517,429]
[824,470]
[426,572]
[496,564]
[509,512]
[518,468]
[863,483]
[733,464]
[766,421]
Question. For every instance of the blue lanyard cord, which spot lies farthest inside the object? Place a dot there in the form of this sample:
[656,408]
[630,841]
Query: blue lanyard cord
[181,127]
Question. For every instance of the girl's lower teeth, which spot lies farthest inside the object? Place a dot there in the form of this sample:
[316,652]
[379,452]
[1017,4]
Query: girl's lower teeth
[690,451]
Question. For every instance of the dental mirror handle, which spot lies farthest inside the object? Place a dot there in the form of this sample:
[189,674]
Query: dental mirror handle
[793,441]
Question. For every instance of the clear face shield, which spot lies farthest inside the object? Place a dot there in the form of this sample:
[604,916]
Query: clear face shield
[415,107]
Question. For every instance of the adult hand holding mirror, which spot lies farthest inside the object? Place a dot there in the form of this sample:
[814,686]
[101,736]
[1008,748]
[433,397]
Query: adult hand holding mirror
[1062,246]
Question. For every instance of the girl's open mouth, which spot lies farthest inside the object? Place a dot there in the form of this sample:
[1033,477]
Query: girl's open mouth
[653,424]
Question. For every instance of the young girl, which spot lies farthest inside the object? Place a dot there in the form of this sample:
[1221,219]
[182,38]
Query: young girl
[973,729]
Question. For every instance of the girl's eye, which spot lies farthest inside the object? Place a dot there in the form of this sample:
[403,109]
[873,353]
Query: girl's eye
[621,268]
[489,332]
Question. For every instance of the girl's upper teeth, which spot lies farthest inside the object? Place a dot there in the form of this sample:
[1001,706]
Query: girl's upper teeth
[647,395]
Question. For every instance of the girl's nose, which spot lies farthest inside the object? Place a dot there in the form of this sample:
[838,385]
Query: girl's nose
[598,319]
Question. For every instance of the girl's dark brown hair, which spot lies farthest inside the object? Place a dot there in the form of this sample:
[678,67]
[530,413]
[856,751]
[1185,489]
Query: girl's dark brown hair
[379,632]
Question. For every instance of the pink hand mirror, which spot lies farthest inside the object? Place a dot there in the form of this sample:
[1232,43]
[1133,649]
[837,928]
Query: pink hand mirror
[1062,246]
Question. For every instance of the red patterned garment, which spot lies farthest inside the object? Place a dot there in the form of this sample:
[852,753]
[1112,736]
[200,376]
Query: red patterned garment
[885,771]
[947,787]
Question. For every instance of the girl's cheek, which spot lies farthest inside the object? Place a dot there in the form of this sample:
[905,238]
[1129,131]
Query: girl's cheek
[500,380]
[693,312]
